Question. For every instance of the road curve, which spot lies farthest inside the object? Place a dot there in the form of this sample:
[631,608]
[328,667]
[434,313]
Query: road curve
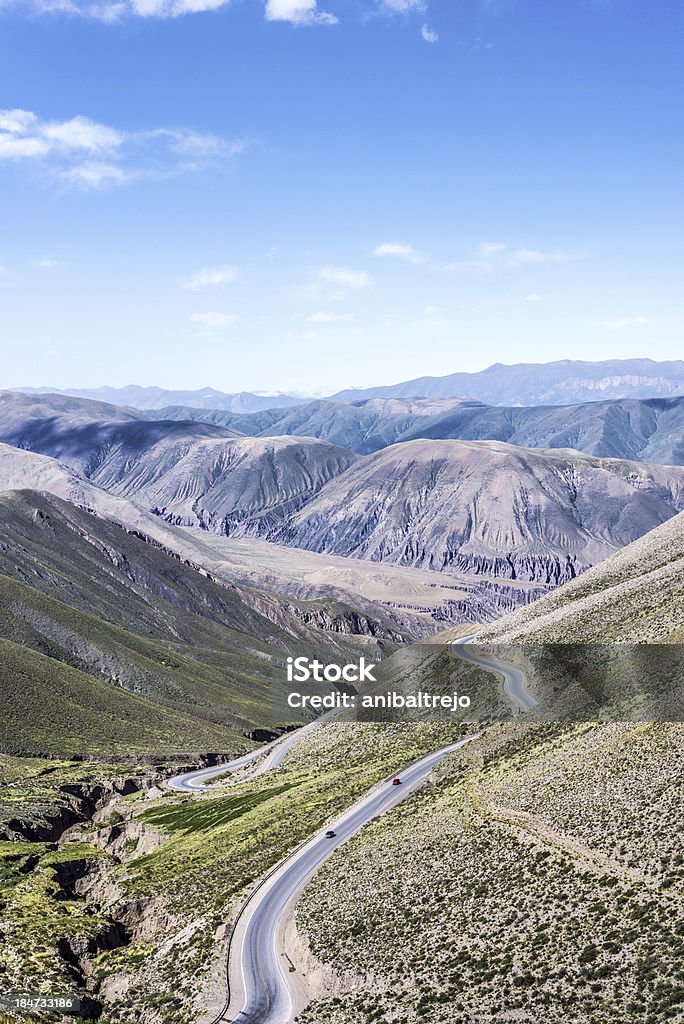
[258,980]
[258,976]
[514,679]
[196,781]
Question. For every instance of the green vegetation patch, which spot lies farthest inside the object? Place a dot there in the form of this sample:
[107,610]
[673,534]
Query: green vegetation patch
[203,816]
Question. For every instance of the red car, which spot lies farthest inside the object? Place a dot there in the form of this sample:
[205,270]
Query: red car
[396,782]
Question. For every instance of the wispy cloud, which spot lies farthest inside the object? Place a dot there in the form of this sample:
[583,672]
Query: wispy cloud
[523,257]
[111,11]
[212,322]
[85,154]
[534,297]
[402,6]
[328,318]
[334,283]
[497,255]
[97,174]
[345,277]
[401,250]
[46,263]
[211,277]
[298,12]
[624,321]
[490,248]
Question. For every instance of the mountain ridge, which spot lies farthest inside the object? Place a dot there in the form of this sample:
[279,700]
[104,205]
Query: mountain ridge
[648,429]
[140,398]
[542,383]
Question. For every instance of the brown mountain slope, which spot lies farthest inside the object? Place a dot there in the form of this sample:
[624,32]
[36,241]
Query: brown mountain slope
[486,507]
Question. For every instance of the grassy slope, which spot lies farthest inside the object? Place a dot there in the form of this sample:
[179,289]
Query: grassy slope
[635,596]
[104,605]
[50,707]
[541,879]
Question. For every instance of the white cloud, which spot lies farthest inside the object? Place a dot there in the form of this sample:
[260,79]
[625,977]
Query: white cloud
[198,144]
[86,154]
[328,318]
[169,8]
[95,175]
[497,255]
[13,146]
[215,321]
[401,250]
[17,122]
[211,277]
[80,133]
[428,34]
[534,297]
[46,264]
[345,277]
[111,11]
[403,6]
[490,248]
[521,257]
[624,321]
[298,12]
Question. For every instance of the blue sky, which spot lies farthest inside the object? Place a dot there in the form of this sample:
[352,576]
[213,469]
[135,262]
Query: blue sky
[284,196]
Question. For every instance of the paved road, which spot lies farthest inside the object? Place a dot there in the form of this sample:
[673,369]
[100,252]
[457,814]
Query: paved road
[257,972]
[259,979]
[514,679]
[196,781]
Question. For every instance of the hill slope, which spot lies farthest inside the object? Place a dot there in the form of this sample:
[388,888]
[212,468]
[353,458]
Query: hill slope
[486,507]
[635,596]
[80,598]
[243,487]
[49,708]
[80,433]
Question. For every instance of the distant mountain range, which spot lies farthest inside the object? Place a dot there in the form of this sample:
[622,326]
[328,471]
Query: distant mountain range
[137,397]
[565,382]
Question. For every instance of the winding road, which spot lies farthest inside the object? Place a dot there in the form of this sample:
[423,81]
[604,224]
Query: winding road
[196,781]
[514,679]
[261,986]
